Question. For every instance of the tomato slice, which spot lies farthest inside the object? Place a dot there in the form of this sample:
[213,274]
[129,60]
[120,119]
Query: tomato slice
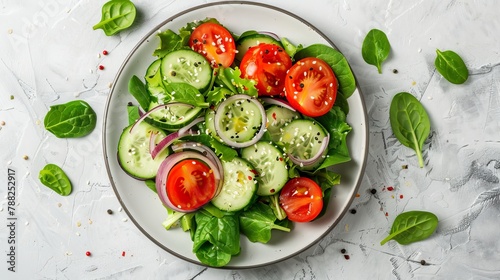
[190,184]
[311,87]
[302,199]
[215,43]
[266,64]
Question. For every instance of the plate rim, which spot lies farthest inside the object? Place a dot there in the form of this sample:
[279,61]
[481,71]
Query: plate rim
[112,90]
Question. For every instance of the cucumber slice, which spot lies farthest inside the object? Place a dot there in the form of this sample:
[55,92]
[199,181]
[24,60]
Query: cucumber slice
[246,42]
[269,162]
[277,118]
[133,151]
[173,117]
[239,186]
[187,66]
[302,138]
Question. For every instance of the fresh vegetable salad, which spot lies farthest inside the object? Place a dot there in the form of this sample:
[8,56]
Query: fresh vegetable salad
[236,133]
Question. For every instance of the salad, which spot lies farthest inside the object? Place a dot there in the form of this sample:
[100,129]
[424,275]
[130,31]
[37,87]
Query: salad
[236,133]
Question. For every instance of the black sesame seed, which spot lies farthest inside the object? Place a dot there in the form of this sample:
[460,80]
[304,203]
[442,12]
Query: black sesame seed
[173,73]
[301,85]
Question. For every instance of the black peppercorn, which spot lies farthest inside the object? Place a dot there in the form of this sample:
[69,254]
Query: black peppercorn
[373,191]
[110,211]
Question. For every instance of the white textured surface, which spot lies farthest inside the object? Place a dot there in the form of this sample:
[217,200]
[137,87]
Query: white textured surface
[49,54]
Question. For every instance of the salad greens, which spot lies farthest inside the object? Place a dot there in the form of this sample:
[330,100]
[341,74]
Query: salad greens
[376,48]
[216,233]
[70,120]
[411,227]
[410,122]
[117,15]
[54,178]
[451,66]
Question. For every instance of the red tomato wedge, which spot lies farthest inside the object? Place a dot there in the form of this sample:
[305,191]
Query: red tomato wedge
[190,184]
[215,43]
[266,64]
[311,87]
[302,199]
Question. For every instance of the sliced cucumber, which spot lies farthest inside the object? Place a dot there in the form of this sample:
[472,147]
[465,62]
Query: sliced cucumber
[210,124]
[239,186]
[187,66]
[277,118]
[133,151]
[238,120]
[302,138]
[172,117]
[246,42]
[269,163]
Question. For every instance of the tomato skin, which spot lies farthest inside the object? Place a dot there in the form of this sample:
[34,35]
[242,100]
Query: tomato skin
[267,65]
[301,199]
[311,87]
[190,184]
[215,43]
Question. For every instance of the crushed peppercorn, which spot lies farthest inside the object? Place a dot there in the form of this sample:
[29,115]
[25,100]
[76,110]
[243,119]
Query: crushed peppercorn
[373,191]
[422,262]
[343,251]
[353,211]
[110,211]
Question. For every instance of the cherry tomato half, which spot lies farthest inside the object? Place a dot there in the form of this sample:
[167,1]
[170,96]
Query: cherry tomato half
[215,43]
[267,65]
[311,87]
[190,184]
[302,199]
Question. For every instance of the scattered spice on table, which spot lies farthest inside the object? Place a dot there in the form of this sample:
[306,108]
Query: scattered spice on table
[88,254]
[12,97]
[390,189]
[101,67]
[25,157]
[110,212]
[353,211]
[386,214]
[401,196]
[422,262]
[2,123]
[395,71]
[343,251]
[105,52]
[346,257]
[373,191]
[405,166]
[358,195]
[123,253]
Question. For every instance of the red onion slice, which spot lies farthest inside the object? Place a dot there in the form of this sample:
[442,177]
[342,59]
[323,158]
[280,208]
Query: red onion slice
[167,141]
[159,107]
[168,164]
[279,102]
[219,115]
[315,158]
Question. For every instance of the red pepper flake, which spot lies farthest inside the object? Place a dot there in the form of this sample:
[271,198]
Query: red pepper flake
[101,67]
[390,189]
[386,214]
[401,196]
[123,253]
[249,177]
[358,195]
[105,52]
[274,116]
[346,257]
[88,254]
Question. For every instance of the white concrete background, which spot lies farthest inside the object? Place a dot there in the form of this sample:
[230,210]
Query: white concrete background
[49,55]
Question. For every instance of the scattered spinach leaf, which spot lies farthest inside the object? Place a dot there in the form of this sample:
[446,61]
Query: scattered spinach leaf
[117,15]
[54,178]
[70,120]
[410,122]
[411,227]
[138,90]
[451,66]
[375,48]
[336,60]
[258,221]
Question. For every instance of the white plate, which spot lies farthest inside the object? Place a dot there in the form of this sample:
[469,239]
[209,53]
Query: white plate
[144,207]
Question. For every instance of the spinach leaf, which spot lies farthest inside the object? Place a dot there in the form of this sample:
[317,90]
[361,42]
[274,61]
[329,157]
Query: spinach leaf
[216,239]
[169,41]
[336,60]
[133,114]
[411,227]
[185,93]
[451,66]
[376,48]
[335,123]
[410,122]
[117,15]
[326,179]
[138,90]
[231,79]
[54,177]
[274,203]
[258,221]
[70,120]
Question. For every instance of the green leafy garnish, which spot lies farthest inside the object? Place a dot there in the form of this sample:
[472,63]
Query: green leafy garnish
[290,48]
[410,122]
[138,90]
[54,178]
[70,120]
[133,114]
[117,15]
[411,227]
[376,48]
[336,60]
[185,93]
[326,179]
[451,66]
[258,221]
[231,79]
